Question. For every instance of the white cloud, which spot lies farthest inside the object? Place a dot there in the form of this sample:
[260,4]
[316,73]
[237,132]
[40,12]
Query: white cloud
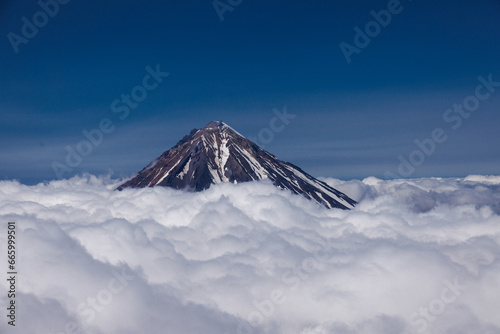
[238,256]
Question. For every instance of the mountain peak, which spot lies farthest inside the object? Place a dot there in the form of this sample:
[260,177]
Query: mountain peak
[218,153]
[220,125]
[215,124]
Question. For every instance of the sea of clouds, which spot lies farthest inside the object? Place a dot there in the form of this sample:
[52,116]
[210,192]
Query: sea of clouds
[414,256]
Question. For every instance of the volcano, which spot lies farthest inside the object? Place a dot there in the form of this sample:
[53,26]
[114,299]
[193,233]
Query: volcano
[218,153]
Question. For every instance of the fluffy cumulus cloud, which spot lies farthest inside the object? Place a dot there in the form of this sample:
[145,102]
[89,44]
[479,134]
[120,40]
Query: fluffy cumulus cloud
[415,256]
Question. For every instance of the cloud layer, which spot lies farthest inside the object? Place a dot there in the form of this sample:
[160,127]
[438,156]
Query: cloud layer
[415,256]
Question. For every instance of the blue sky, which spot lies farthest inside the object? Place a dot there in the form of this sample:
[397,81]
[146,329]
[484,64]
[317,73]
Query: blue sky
[352,119]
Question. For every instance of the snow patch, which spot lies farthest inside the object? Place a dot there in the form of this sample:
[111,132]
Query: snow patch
[184,170]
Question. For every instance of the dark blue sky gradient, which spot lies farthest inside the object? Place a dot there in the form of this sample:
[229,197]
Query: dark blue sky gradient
[353,120]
